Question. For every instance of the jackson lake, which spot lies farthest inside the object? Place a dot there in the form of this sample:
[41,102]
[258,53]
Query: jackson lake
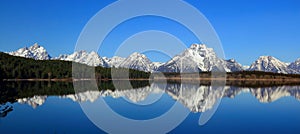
[54,107]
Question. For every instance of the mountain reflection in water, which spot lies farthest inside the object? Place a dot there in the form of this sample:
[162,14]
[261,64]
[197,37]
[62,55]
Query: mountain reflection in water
[197,98]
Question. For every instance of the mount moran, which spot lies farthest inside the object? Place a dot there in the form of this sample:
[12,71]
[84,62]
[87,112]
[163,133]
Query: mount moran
[196,58]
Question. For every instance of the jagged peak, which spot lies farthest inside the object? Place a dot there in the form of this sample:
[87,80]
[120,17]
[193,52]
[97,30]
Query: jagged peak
[197,46]
[81,51]
[201,49]
[86,53]
[267,58]
[36,46]
[35,51]
[270,64]
[94,53]
[136,54]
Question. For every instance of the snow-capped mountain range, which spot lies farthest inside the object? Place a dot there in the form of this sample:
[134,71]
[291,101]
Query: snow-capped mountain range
[91,59]
[196,58]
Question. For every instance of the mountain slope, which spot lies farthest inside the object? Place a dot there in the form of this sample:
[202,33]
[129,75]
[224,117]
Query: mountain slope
[35,51]
[137,61]
[269,64]
[234,66]
[295,67]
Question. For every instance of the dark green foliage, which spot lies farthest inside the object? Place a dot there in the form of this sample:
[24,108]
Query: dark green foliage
[240,79]
[13,67]
[261,75]
[22,68]
[1,75]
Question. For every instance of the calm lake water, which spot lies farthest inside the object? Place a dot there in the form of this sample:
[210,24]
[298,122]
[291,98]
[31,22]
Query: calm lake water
[42,107]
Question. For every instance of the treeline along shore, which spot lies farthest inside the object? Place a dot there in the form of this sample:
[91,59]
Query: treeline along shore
[239,79]
[242,75]
[19,68]
[24,69]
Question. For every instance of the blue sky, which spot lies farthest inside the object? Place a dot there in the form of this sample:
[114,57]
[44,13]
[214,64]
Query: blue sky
[247,28]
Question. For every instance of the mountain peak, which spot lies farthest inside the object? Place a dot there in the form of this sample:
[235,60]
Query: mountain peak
[267,58]
[81,52]
[269,64]
[198,46]
[295,66]
[196,58]
[137,61]
[35,51]
[136,54]
[94,53]
[36,45]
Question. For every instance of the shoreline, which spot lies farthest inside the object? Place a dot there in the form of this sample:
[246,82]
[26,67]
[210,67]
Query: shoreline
[229,79]
[70,80]
[159,79]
